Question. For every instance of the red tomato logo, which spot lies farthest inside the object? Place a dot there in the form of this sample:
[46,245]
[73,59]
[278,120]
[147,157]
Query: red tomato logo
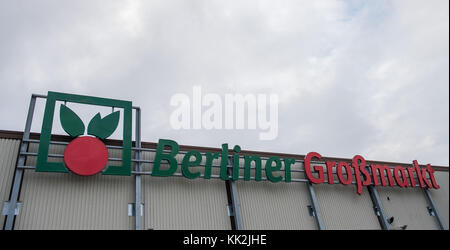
[87,155]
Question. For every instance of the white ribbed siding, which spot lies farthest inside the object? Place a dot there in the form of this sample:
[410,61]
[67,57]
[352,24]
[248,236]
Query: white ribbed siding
[281,205]
[266,205]
[440,196]
[408,206]
[181,203]
[9,148]
[69,201]
[342,208]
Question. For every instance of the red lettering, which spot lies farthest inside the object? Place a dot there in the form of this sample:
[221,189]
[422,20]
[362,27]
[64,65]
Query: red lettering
[357,166]
[367,180]
[419,173]
[424,176]
[347,170]
[411,176]
[330,165]
[381,174]
[433,179]
[403,182]
[316,168]
[382,170]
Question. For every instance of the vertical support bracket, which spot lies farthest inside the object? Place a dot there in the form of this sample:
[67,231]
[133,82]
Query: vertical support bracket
[138,213]
[378,207]
[236,212]
[314,208]
[17,182]
[434,208]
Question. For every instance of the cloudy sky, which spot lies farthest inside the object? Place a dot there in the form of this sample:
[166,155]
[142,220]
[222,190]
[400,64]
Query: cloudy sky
[353,77]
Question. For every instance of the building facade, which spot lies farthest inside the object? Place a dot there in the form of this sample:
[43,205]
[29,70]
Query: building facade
[70,201]
[32,199]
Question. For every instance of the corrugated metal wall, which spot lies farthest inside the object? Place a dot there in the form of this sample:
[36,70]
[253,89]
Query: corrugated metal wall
[68,201]
[267,205]
[408,206]
[9,149]
[441,195]
[342,208]
[180,203]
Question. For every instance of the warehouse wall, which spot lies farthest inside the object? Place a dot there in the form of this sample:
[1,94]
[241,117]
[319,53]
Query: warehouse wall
[180,203]
[342,208]
[68,201]
[267,205]
[440,196]
[408,206]
[9,149]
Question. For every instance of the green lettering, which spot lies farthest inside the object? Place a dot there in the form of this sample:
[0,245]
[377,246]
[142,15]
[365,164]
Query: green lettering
[170,157]
[188,163]
[224,163]
[270,169]
[236,150]
[287,168]
[208,165]
[247,167]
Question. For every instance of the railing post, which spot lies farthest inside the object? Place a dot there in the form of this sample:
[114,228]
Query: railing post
[138,178]
[435,210]
[315,206]
[17,182]
[234,197]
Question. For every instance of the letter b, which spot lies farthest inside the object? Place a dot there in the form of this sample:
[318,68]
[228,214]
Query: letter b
[160,155]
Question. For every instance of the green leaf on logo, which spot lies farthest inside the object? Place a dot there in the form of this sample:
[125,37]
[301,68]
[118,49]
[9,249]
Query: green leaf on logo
[70,121]
[103,128]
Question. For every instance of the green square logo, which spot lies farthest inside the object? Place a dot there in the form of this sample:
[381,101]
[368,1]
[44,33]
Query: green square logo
[85,155]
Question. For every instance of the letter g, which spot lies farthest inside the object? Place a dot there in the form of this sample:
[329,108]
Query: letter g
[316,168]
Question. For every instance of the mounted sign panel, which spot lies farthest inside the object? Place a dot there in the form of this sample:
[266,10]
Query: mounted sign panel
[85,154]
[274,164]
[364,176]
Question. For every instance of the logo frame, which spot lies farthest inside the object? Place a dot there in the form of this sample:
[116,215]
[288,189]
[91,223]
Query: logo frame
[42,163]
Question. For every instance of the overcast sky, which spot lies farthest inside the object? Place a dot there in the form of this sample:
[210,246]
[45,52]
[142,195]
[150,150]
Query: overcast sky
[353,77]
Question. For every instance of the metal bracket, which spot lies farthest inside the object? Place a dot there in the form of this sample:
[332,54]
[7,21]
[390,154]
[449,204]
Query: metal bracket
[376,210]
[435,211]
[311,211]
[431,211]
[230,210]
[234,197]
[314,207]
[131,210]
[6,208]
